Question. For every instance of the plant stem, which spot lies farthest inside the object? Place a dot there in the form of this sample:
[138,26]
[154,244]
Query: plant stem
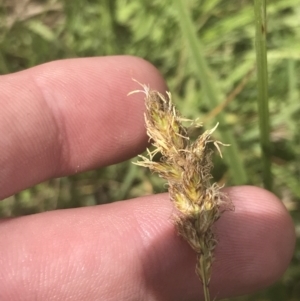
[204,278]
[204,74]
[262,87]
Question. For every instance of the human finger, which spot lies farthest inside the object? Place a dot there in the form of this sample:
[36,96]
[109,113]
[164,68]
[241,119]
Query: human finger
[131,251]
[69,116]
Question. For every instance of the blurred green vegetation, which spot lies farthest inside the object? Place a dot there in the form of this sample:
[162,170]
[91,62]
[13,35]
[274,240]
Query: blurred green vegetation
[34,32]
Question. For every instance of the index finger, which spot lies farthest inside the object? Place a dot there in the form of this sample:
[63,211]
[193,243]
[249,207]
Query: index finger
[70,116]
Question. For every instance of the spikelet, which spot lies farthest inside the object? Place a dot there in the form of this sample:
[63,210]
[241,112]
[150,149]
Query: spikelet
[187,168]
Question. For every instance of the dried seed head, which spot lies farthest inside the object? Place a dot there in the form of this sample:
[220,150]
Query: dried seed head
[187,168]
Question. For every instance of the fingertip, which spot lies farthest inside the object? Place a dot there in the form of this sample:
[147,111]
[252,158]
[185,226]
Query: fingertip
[259,234]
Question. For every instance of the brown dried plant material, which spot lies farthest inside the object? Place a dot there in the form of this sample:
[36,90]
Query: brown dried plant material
[187,168]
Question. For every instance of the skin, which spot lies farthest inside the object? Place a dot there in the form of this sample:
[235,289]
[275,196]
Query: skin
[70,116]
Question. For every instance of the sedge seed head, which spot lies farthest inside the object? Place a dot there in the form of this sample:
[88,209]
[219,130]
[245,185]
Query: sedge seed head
[187,168]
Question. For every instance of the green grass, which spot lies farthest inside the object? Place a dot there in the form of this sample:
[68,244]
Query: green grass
[206,51]
[260,9]
[210,91]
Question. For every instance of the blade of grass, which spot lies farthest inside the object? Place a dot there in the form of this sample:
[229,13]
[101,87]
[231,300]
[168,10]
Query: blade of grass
[127,183]
[238,89]
[292,80]
[204,74]
[262,87]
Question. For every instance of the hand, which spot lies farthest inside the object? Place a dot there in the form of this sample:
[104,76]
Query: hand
[70,116]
